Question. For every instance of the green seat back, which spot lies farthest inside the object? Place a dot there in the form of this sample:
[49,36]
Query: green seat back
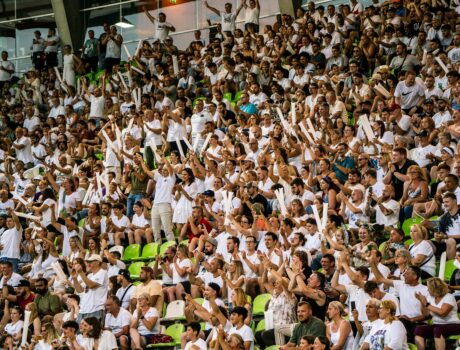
[450,268]
[407,224]
[260,326]
[150,251]
[259,303]
[135,269]
[132,252]
[165,246]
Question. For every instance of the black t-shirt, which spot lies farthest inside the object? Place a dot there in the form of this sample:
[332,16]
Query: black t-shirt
[398,184]
[257,199]
[450,225]
[102,47]
[230,116]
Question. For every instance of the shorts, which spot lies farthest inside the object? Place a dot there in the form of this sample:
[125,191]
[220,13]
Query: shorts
[187,286]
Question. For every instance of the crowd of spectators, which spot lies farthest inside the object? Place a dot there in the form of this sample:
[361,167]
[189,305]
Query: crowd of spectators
[293,185]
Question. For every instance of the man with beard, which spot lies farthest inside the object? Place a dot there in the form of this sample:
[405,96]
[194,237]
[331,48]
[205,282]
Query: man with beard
[386,209]
[150,287]
[23,296]
[196,226]
[126,290]
[210,275]
[47,304]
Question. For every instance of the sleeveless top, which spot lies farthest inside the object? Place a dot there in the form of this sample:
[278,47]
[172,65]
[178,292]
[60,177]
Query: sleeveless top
[113,50]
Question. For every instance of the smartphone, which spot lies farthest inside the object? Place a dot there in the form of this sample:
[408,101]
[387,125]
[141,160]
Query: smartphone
[353,305]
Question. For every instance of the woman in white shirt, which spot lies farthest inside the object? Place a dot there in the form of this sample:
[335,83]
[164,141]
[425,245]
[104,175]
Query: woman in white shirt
[179,270]
[422,251]
[144,323]
[339,331]
[48,199]
[391,334]
[140,225]
[442,308]
[14,327]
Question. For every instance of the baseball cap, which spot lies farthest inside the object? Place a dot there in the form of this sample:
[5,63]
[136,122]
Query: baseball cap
[94,257]
[23,283]
[125,273]
[213,241]
[423,133]
[208,193]
[428,101]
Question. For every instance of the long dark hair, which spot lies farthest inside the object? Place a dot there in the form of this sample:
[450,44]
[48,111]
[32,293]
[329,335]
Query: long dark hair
[190,175]
[97,329]
[48,193]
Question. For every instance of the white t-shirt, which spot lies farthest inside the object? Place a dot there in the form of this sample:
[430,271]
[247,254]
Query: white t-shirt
[245,332]
[410,305]
[162,30]
[360,298]
[46,215]
[11,240]
[94,299]
[97,106]
[163,188]
[452,316]
[125,298]
[228,21]
[24,154]
[4,75]
[67,201]
[200,343]
[182,264]
[116,324]
[409,94]
[392,335]
[425,248]
[12,329]
[151,312]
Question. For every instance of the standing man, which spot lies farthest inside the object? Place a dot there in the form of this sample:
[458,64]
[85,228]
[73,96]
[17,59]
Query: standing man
[10,240]
[94,294]
[102,45]
[162,28]
[252,13]
[113,51]
[38,49]
[91,52]
[51,48]
[136,176]
[228,17]
[6,69]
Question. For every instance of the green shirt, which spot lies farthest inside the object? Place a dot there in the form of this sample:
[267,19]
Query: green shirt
[48,304]
[314,327]
[138,186]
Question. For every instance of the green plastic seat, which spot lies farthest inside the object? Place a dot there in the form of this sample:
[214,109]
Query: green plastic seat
[81,223]
[149,252]
[258,307]
[174,331]
[412,346]
[132,252]
[136,283]
[381,246]
[407,224]
[273,347]
[99,156]
[184,242]
[260,326]
[237,96]
[450,268]
[165,246]
[228,96]
[135,269]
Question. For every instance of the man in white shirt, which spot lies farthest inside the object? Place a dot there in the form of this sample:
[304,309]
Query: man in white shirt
[443,115]
[9,277]
[51,48]
[117,320]
[228,17]
[237,318]
[6,69]
[56,108]
[94,294]
[409,94]
[23,150]
[126,290]
[10,240]
[193,334]
[419,154]
[385,207]
[162,28]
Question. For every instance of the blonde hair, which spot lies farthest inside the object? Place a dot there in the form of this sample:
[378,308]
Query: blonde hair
[240,297]
[404,253]
[239,269]
[422,230]
[389,305]
[437,287]
[338,306]
[418,170]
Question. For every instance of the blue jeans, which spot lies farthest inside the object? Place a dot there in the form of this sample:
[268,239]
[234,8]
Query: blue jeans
[132,199]
[14,262]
